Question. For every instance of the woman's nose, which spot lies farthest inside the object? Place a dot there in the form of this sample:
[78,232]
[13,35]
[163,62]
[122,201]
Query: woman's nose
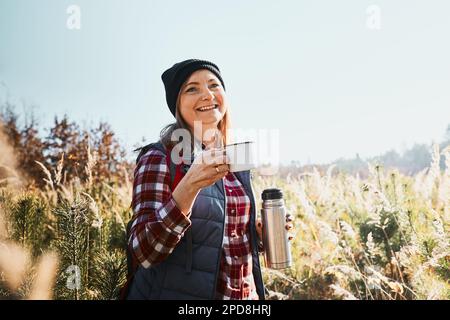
[208,95]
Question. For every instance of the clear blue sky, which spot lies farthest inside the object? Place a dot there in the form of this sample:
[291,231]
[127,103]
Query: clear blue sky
[312,69]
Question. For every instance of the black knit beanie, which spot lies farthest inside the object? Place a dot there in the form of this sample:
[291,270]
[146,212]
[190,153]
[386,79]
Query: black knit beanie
[174,77]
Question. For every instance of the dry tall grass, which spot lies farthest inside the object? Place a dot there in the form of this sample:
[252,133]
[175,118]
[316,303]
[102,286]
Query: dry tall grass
[384,237]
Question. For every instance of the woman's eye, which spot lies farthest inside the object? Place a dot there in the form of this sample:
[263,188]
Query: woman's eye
[193,89]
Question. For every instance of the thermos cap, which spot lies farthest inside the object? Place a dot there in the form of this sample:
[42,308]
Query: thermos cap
[272,194]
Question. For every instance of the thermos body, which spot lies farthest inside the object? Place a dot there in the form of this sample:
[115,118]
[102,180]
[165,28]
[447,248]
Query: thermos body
[275,236]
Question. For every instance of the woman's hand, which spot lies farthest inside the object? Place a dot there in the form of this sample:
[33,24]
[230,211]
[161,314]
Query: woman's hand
[288,226]
[208,167]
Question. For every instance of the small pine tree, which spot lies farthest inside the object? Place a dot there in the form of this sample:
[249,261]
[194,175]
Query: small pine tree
[117,233]
[72,244]
[110,273]
[29,219]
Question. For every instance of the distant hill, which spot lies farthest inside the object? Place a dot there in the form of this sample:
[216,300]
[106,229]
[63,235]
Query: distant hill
[409,162]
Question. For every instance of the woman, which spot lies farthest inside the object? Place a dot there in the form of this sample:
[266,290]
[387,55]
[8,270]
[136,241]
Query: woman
[195,237]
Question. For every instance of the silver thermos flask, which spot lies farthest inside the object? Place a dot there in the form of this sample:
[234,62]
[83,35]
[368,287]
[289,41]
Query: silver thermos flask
[275,236]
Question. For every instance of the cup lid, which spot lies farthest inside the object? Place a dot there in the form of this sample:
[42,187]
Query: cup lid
[272,194]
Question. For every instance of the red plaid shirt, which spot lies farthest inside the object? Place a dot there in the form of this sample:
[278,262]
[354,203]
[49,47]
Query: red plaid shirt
[159,225]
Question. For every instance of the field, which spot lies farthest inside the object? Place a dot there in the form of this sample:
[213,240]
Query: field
[381,237]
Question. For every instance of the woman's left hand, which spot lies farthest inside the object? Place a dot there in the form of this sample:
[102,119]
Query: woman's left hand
[288,226]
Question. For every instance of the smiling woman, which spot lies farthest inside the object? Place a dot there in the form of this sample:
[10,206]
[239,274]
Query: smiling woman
[203,99]
[193,233]
[187,101]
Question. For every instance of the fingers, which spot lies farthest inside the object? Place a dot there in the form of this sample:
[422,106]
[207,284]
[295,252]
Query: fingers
[214,157]
[223,168]
[259,227]
[289,226]
[289,219]
[214,152]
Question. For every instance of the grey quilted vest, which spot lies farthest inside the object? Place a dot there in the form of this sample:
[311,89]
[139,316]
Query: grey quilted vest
[191,270]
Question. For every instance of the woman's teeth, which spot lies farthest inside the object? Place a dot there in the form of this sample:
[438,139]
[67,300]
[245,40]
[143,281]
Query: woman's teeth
[207,108]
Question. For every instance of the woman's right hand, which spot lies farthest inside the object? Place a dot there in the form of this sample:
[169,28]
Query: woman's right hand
[208,167]
[201,174]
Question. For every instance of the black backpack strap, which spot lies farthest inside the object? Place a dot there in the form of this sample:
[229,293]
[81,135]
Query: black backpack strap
[143,150]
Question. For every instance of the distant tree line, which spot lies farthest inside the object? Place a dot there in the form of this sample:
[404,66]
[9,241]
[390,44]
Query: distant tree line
[64,142]
[77,147]
[411,161]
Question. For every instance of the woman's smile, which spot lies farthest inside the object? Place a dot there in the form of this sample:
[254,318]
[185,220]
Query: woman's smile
[207,108]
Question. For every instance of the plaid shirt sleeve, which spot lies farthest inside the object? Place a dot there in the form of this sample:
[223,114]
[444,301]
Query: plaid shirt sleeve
[158,224]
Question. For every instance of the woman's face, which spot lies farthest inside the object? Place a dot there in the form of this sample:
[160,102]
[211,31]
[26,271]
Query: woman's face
[202,98]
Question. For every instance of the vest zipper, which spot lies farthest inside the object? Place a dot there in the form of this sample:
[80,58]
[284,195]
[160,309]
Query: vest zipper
[221,241]
[254,238]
